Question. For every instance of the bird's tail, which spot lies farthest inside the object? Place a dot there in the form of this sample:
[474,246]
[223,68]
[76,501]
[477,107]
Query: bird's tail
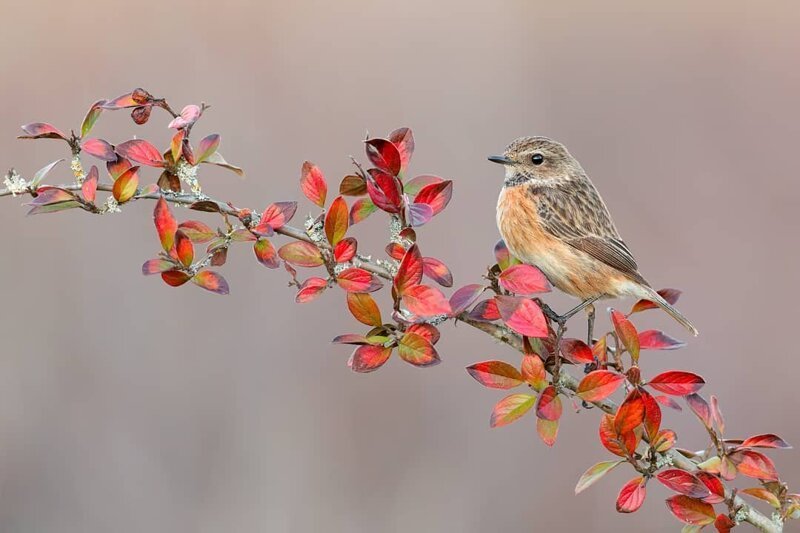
[656,298]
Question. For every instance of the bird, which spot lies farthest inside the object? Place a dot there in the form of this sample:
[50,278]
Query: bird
[551,216]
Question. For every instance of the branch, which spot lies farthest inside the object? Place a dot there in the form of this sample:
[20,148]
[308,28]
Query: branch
[569,382]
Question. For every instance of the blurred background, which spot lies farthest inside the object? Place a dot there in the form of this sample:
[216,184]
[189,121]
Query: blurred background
[129,406]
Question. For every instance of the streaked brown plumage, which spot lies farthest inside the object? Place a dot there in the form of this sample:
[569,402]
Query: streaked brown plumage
[551,216]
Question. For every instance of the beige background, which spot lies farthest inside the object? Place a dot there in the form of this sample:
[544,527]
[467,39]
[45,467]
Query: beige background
[127,406]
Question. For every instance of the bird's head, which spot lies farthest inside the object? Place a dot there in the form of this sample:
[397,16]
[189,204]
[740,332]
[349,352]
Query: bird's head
[537,160]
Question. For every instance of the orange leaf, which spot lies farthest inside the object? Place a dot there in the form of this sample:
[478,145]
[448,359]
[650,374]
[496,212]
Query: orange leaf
[364,308]
[337,221]
[495,374]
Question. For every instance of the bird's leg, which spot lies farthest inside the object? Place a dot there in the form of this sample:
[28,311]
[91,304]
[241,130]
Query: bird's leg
[590,326]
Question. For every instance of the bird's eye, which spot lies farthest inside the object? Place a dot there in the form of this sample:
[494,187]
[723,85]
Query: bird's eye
[537,159]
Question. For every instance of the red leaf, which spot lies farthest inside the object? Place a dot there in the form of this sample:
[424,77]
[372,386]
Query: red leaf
[677,383]
[125,186]
[41,130]
[156,266]
[437,271]
[403,140]
[356,280]
[754,464]
[715,487]
[409,273]
[495,374]
[522,315]
[767,440]
[658,340]
[384,155]
[700,408]
[632,495]
[426,301]
[691,510]
[310,289]
[142,152]
[670,295]
[276,216]
[345,250]
[627,333]
[417,350]
[485,311]
[211,281]
[465,297]
[683,482]
[364,309]
[313,183]
[385,191]
[576,351]
[599,385]
[437,195]
[549,405]
[188,116]
[427,331]
[524,280]
[630,413]
[414,185]
[337,221]
[266,254]
[184,248]
[166,225]
[511,408]
[175,278]
[89,187]
[207,147]
[100,149]
[724,524]
[612,441]
[669,402]
[301,253]
[652,415]
[369,358]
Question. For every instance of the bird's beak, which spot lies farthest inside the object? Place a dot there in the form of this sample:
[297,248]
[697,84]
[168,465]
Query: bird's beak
[503,160]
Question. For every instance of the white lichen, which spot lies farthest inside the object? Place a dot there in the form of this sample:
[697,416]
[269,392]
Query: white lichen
[663,460]
[111,206]
[315,230]
[188,175]
[77,169]
[742,514]
[15,183]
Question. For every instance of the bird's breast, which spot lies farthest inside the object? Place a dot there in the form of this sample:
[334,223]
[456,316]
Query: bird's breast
[569,269]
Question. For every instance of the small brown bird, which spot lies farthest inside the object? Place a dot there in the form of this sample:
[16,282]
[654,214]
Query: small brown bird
[551,216]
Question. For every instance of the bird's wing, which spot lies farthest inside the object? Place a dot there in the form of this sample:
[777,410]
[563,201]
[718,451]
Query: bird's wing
[577,215]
